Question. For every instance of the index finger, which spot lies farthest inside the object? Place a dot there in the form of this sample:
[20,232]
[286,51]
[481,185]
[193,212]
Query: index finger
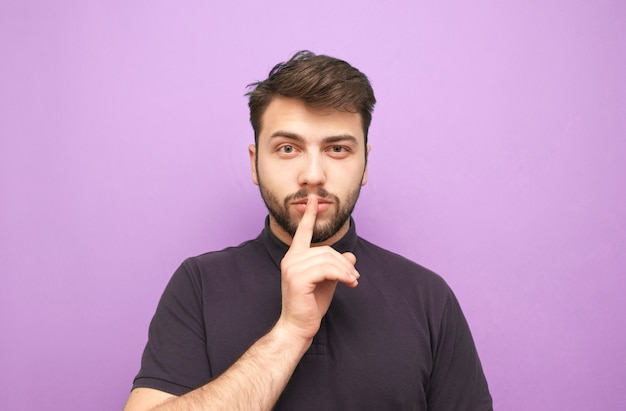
[304,232]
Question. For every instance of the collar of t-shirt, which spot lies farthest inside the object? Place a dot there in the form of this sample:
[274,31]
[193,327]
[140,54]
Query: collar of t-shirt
[277,249]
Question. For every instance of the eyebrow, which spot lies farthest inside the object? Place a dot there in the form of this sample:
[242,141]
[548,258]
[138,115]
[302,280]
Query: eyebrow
[331,139]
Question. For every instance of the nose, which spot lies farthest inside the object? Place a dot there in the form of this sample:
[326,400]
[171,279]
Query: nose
[312,172]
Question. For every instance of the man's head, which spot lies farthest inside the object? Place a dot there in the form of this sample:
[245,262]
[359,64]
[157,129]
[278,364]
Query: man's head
[311,119]
[320,82]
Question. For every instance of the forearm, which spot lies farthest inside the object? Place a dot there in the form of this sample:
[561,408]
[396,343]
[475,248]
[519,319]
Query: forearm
[257,379]
[254,382]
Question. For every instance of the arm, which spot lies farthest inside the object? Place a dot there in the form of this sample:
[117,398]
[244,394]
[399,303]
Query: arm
[457,380]
[256,380]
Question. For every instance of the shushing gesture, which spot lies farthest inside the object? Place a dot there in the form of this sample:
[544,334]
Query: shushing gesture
[310,276]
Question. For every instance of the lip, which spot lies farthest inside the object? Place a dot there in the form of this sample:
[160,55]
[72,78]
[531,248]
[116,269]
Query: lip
[306,200]
[322,204]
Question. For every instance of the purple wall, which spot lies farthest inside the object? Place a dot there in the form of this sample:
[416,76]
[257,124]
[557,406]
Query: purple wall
[499,145]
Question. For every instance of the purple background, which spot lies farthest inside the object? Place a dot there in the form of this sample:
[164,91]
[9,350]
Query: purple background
[498,161]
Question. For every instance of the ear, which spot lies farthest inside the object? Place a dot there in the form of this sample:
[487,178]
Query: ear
[252,153]
[367,154]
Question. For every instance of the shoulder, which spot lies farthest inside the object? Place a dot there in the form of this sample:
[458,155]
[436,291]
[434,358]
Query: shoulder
[244,253]
[402,279]
[228,262]
[395,264]
[249,247]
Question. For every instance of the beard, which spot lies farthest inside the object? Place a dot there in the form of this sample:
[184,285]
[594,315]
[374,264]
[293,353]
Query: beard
[322,231]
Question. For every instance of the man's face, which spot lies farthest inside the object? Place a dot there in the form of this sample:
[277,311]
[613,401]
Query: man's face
[300,151]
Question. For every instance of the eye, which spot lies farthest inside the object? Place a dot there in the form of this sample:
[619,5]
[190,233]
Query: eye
[338,151]
[287,149]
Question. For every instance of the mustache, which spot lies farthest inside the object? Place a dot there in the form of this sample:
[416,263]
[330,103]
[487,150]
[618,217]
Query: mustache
[304,193]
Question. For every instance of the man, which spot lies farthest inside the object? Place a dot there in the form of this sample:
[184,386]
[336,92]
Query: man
[308,316]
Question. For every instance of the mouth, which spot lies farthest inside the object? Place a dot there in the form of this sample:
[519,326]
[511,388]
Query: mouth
[322,204]
[306,200]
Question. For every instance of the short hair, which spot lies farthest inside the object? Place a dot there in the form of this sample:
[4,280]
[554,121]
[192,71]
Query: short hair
[319,81]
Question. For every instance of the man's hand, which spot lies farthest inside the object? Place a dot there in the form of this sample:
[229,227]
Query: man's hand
[259,376]
[310,276]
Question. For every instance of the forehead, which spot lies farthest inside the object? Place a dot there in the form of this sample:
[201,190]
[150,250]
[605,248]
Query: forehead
[294,116]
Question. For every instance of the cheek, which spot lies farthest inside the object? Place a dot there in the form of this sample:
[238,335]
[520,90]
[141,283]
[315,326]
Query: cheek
[351,174]
[274,175]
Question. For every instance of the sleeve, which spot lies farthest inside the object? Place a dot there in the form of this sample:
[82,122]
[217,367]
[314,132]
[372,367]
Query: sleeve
[457,380]
[175,358]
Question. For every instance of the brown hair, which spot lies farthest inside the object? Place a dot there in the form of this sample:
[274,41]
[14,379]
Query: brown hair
[320,81]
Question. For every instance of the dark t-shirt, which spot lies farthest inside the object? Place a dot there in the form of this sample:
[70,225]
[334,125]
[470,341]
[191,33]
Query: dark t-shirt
[398,341]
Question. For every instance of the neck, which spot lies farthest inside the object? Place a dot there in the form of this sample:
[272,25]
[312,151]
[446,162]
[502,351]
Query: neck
[286,238]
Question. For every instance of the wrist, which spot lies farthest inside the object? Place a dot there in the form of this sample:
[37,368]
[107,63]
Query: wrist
[290,338]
